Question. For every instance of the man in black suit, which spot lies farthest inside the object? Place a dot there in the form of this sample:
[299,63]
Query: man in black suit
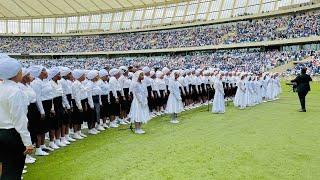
[303,87]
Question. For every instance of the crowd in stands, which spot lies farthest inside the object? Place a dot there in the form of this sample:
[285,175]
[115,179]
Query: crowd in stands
[234,60]
[313,66]
[256,30]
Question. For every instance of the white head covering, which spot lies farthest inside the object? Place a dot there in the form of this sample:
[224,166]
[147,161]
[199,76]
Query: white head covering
[123,69]
[9,68]
[77,73]
[152,73]
[136,75]
[113,71]
[103,73]
[165,70]
[92,74]
[146,69]
[2,56]
[25,71]
[53,72]
[36,70]
[65,71]
[158,74]
[174,72]
[130,74]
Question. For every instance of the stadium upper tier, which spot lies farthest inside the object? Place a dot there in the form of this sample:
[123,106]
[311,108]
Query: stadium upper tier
[298,25]
[86,16]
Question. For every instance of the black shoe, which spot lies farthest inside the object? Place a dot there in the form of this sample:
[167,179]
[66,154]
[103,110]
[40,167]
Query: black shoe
[302,110]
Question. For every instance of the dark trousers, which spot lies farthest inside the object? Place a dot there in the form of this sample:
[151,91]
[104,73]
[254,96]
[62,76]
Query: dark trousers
[12,155]
[302,98]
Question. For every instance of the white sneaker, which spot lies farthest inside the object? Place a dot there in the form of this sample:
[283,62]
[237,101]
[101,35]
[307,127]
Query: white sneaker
[29,161]
[96,130]
[84,125]
[30,157]
[39,152]
[83,135]
[122,122]
[77,136]
[70,139]
[139,131]
[104,125]
[24,171]
[113,125]
[59,143]
[44,147]
[174,121]
[100,128]
[65,141]
[92,132]
[53,145]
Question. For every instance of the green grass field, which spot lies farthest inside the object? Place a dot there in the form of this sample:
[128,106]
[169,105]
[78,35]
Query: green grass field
[269,141]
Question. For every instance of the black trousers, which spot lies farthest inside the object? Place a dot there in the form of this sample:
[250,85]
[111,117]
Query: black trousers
[302,98]
[11,154]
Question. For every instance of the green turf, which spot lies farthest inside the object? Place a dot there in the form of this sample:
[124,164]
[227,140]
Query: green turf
[269,141]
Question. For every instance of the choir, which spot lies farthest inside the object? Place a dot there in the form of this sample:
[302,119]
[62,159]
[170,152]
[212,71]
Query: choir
[62,102]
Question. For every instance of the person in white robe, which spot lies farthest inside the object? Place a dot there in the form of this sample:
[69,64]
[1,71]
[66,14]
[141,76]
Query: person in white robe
[139,110]
[174,103]
[240,99]
[218,105]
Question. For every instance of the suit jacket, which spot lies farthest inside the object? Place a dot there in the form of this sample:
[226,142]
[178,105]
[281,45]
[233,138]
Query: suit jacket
[303,83]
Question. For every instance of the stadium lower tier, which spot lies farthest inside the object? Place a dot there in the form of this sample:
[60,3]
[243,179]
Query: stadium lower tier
[295,25]
[252,60]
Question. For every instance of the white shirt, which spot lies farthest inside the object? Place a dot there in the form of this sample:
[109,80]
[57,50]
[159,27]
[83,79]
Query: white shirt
[43,91]
[147,81]
[115,86]
[161,84]
[67,89]
[78,93]
[56,89]
[12,111]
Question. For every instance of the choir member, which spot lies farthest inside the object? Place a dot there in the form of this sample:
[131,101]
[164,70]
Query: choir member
[218,101]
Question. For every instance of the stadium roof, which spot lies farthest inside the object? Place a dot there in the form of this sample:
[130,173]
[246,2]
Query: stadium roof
[81,16]
[13,9]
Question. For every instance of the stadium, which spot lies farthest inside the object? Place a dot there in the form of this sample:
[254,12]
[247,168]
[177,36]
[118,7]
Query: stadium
[159,89]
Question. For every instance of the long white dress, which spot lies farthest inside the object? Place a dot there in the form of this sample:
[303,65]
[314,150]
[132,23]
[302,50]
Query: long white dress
[240,99]
[139,111]
[174,103]
[218,101]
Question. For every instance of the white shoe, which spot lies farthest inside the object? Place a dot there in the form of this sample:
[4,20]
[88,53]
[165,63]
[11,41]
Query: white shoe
[77,136]
[122,122]
[139,131]
[113,125]
[83,135]
[29,161]
[70,139]
[100,128]
[96,130]
[104,125]
[64,140]
[84,125]
[59,143]
[174,121]
[39,152]
[44,147]
[24,171]
[92,132]
[30,157]
[53,145]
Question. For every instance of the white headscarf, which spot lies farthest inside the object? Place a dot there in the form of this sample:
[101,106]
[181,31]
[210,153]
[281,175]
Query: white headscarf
[158,74]
[92,74]
[77,73]
[65,71]
[36,70]
[9,68]
[53,72]
[136,75]
[113,71]
[103,73]
[146,69]
[25,71]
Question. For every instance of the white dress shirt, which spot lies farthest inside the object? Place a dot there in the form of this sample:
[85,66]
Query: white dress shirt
[43,91]
[67,89]
[12,111]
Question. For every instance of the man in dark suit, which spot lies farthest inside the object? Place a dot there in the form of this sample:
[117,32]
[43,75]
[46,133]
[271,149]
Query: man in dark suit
[303,87]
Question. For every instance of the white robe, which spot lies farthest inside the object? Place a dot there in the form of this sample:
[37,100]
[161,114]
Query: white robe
[240,99]
[139,111]
[174,103]
[218,101]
